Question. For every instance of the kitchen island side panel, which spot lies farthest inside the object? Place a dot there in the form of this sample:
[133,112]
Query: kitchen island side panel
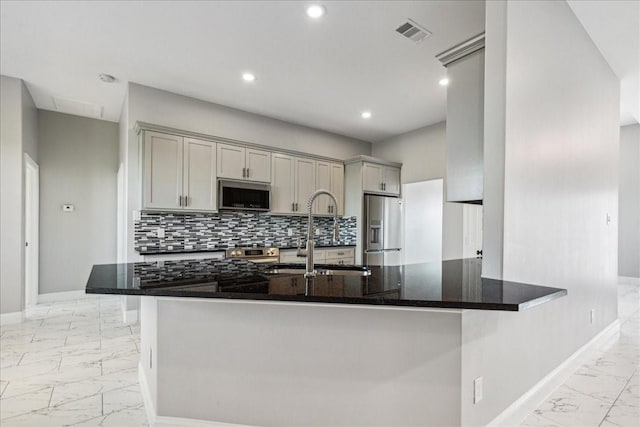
[262,363]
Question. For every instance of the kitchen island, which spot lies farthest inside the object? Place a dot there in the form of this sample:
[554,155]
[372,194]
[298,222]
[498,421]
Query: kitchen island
[223,341]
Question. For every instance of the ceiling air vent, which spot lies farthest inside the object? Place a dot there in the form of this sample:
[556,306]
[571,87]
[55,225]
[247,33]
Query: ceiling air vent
[78,108]
[413,31]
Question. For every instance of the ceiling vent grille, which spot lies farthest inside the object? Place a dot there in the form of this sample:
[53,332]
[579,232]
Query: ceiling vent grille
[78,108]
[413,31]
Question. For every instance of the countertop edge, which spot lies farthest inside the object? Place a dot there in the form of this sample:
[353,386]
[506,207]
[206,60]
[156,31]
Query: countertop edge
[512,307]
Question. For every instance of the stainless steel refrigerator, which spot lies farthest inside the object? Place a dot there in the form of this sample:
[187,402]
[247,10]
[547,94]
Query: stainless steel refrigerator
[382,232]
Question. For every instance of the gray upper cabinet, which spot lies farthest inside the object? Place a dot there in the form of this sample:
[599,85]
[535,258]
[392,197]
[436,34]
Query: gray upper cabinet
[163,163]
[465,120]
[380,179]
[282,184]
[329,176]
[199,176]
[179,173]
[243,163]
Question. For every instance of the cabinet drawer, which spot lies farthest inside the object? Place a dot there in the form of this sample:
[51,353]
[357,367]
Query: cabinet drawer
[341,253]
[341,261]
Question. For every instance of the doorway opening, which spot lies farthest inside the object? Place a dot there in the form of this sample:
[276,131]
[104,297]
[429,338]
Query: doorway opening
[32,231]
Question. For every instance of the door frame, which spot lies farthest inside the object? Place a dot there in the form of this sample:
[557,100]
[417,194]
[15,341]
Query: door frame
[31,230]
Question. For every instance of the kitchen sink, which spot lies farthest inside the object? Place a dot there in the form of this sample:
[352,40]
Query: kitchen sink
[321,269]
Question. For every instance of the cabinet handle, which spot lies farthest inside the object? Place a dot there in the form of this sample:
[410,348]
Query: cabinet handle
[186,200]
[244,172]
[292,207]
[296,206]
[180,201]
[381,187]
[384,186]
[247,172]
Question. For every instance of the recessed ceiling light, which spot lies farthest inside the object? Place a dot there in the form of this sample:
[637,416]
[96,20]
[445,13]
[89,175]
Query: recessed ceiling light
[248,77]
[107,78]
[444,82]
[366,114]
[316,11]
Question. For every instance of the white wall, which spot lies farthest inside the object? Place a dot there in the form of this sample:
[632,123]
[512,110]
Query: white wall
[629,202]
[18,133]
[78,165]
[422,221]
[422,153]
[156,106]
[560,181]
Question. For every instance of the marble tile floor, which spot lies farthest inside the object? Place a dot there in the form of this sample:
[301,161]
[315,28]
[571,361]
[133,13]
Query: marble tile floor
[75,363]
[604,391]
[71,363]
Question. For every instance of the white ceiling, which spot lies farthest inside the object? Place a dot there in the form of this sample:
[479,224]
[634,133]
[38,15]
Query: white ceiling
[614,26]
[317,73]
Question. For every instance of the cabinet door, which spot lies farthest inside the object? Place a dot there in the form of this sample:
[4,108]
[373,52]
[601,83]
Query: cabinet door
[282,184]
[323,203]
[305,180]
[391,179]
[372,177]
[258,164]
[162,170]
[231,161]
[199,178]
[337,185]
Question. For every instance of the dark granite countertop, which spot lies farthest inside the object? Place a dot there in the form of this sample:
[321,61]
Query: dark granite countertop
[219,249]
[450,284]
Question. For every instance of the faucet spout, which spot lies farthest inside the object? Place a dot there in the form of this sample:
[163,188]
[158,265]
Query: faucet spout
[310,271]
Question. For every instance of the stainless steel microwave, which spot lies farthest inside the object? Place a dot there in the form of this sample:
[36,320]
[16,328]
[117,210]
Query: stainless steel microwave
[239,195]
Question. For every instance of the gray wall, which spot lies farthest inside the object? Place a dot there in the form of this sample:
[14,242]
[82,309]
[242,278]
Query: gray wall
[18,134]
[629,202]
[160,107]
[78,165]
[561,136]
[422,153]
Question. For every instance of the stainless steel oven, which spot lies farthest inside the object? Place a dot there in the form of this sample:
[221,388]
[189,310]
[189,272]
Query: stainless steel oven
[238,195]
[257,255]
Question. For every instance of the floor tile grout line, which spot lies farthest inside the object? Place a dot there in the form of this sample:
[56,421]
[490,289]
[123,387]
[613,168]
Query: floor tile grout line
[617,397]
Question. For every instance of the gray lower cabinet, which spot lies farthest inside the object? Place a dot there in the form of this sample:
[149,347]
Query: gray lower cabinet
[179,173]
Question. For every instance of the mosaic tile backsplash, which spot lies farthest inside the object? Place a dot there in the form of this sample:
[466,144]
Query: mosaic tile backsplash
[199,231]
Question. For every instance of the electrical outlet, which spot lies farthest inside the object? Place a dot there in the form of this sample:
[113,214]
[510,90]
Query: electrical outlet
[68,208]
[136,215]
[160,232]
[317,231]
[592,316]
[477,390]
[289,232]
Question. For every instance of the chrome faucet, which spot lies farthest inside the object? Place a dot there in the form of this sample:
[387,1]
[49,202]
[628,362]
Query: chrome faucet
[308,252]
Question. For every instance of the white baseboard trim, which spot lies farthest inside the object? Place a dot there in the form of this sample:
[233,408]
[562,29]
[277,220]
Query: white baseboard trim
[528,402]
[146,396]
[628,280]
[61,296]
[162,421]
[12,318]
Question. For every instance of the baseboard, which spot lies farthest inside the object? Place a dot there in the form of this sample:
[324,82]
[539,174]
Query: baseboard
[528,402]
[146,396]
[12,318]
[162,421]
[628,280]
[61,296]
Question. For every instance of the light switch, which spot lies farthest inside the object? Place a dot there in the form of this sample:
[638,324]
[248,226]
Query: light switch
[160,232]
[68,208]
